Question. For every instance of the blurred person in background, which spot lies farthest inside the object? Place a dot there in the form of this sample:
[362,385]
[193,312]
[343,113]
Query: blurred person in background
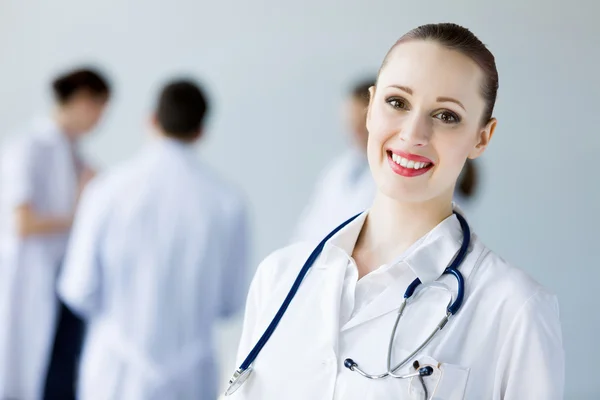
[346,187]
[159,252]
[42,174]
[468,185]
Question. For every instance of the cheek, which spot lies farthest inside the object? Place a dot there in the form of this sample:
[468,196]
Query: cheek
[381,130]
[452,151]
[380,127]
[94,114]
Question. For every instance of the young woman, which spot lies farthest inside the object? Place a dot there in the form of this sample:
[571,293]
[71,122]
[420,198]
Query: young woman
[473,326]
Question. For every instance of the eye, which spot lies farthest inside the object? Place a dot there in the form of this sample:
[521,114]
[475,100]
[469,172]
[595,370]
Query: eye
[397,103]
[447,117]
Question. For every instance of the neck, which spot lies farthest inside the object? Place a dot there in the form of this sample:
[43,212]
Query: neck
[61,119]
[392,227]
[162,135]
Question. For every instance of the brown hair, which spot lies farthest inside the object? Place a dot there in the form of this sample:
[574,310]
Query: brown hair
[182,107]
[456,37]
[468,180]
[65,86]
[360,90]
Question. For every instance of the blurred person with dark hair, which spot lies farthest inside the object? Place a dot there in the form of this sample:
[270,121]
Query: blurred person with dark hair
[467,185]
[346,187]
[159,253]
[42,174]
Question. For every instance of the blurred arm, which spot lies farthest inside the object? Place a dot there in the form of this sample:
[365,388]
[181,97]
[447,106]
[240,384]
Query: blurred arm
[20,189]
[29,223]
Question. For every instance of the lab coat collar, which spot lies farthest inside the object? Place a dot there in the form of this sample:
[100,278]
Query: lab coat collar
[164,142]
[48,129]
[436,250]
[428,258]
[346,238]
[172,147]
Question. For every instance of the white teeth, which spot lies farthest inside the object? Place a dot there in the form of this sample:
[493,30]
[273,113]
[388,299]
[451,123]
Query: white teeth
[406,163]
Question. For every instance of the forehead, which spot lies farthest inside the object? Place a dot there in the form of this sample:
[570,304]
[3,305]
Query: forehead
[432,70]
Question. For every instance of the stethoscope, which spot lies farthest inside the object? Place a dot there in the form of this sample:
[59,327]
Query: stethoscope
[243,372]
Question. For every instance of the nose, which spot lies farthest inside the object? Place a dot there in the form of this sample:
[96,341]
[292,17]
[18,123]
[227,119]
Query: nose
[416,131]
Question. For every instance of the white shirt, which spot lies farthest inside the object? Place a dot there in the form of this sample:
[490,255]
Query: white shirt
[504,343]
[345,189]
[159,252]
[37,168]
[357,294]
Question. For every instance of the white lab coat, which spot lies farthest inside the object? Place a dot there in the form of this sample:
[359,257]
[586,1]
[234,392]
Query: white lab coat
[345,188]
[504,343]
[159,252]
[37,168]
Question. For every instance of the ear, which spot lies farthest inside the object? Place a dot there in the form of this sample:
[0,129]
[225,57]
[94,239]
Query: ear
[483,139]
[371,94]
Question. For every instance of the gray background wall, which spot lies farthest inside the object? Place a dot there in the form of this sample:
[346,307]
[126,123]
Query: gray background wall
[277,71]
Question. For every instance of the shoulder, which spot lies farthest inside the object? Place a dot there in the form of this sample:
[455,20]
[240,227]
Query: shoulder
[99,193]
[280,268]
[24,144]
[112,185]
[114,177]
[124,177]
[514,290]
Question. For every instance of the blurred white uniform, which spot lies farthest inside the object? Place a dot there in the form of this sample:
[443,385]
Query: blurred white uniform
[159,252]
[345,189]
[39,168]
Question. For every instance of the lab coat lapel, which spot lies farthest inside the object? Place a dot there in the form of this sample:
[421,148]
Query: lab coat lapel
[65,167]
[388,301]
[426,262]
[64,176]
[330,273]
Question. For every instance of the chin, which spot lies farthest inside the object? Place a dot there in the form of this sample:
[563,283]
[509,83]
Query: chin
[402,193]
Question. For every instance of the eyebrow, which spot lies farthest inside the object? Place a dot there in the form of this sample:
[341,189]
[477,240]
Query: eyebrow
[451,100]
[403,88]
[441,99]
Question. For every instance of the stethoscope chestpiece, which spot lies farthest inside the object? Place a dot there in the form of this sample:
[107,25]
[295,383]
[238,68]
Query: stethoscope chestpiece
[237,380]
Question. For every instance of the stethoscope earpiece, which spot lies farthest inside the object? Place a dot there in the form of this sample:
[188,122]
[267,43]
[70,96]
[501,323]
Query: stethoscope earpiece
[350,364]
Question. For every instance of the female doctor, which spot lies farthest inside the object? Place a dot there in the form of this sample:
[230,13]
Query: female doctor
[472,327]
[42,175]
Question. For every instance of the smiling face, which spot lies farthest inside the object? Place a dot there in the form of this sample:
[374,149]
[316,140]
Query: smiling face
[424,121]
